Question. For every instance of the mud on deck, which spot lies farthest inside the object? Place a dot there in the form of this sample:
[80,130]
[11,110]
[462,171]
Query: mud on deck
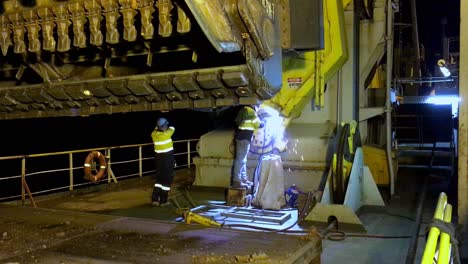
[116,224]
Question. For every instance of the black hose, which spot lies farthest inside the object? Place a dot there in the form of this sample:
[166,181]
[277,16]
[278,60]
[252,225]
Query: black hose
[328,162]
[415,236]
[329,233]
[338,186]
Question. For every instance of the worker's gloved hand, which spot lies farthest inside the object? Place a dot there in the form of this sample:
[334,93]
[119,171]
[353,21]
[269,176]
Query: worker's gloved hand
[262,124]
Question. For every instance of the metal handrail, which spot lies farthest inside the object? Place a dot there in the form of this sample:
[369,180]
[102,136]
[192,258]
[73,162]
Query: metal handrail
[437,240]
[70,168]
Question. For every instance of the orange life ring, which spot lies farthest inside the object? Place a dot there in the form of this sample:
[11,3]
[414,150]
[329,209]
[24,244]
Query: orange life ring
[102,166]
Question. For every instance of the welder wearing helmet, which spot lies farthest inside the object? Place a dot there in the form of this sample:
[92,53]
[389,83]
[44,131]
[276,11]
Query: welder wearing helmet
[164,160]
[247,121]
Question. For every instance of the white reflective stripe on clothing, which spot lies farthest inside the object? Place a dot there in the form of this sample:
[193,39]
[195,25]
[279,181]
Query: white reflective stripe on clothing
[163,142]
[246,128]
[166,188]
[87,165]
[164,150]
[103,167]
[157,185]
[248,121]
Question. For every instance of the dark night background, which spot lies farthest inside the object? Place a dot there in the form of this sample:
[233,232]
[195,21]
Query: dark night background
[430,15]
[30,136]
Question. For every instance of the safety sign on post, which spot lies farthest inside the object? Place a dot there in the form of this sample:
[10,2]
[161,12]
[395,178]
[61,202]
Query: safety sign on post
[294,83]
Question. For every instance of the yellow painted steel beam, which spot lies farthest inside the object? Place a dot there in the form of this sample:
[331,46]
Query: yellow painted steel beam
[434,232]
[445,246]
[305,74]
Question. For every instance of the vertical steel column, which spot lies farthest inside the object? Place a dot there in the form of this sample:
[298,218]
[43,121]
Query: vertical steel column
[417,53]
[356,54]
[70,158]
[445,40]
[463,119]
[400,42]
[388,104]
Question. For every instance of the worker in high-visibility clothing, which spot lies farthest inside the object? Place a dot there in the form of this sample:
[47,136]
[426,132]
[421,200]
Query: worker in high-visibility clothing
[247,121]
[164,160]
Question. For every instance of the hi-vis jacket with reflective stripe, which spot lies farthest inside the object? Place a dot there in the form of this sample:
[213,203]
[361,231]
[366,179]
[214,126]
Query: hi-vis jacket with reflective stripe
[249,119]
[162,140]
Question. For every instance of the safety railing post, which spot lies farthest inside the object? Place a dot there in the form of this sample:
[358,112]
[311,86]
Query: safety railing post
[70,168]
[70,158]
[140,160]
[109,170]
[188,154]
[23,180]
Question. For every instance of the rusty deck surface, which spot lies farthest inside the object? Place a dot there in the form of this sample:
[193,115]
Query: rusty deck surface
[40,235]
[116,224]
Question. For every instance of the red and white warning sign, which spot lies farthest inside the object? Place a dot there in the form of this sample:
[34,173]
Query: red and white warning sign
[294,83]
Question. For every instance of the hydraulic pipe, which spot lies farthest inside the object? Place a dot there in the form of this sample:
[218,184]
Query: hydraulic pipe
[445,247]
[388,104]
[434,232]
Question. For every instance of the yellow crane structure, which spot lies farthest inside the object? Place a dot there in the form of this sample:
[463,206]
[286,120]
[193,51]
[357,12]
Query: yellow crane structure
[306,74]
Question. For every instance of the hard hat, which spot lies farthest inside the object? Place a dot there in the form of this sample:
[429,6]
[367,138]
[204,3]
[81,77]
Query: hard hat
[441,63]
[161,122]
[261,111]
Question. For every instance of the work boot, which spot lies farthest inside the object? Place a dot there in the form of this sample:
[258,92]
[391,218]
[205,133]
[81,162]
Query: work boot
[163,197]
[155,197]
[165,204]
[246,181]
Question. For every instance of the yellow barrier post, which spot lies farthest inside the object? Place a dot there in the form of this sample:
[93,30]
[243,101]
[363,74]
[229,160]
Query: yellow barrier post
[431,243]
[445,247]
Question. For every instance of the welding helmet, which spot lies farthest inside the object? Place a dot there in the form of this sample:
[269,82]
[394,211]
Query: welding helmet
[161,123]
[262,113]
